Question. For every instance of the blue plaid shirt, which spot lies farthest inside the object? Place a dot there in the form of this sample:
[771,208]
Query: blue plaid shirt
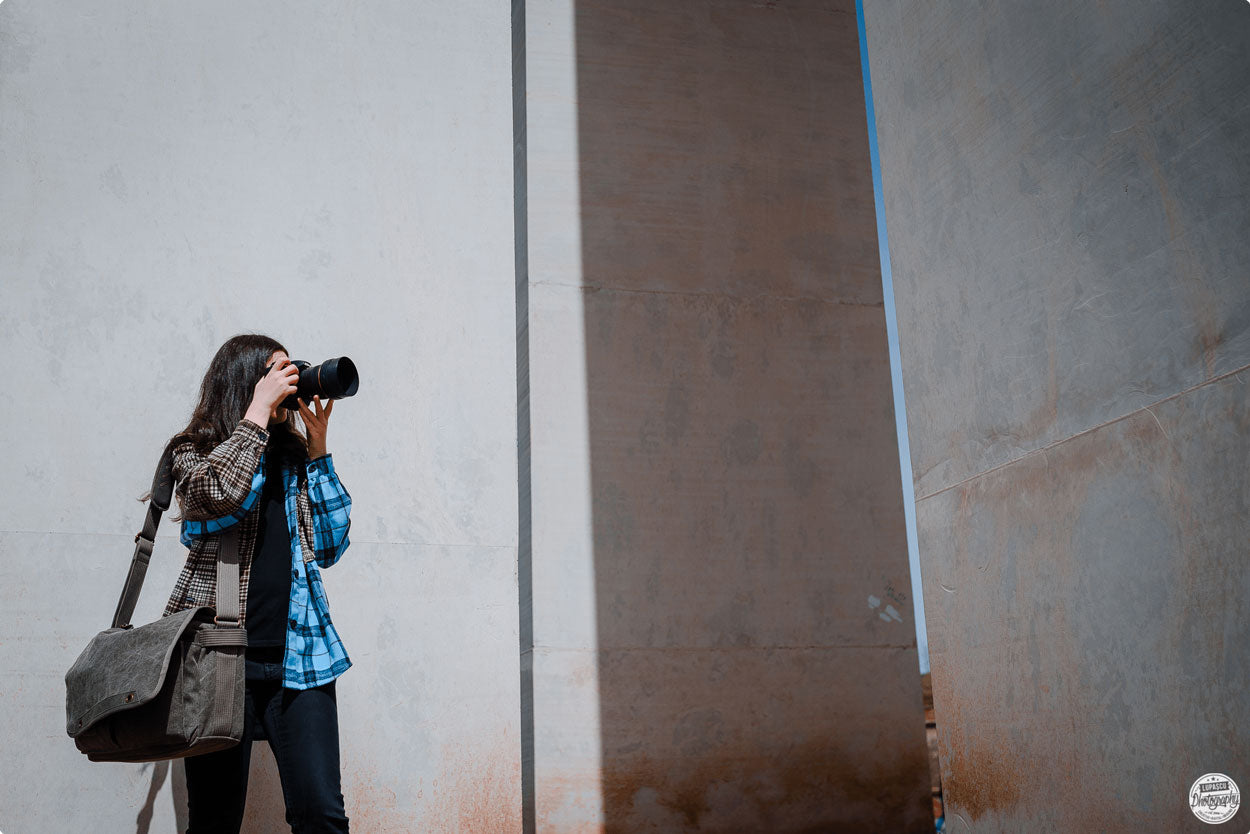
[314,653]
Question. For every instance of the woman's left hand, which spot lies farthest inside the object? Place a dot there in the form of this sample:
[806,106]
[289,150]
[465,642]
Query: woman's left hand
[316,425]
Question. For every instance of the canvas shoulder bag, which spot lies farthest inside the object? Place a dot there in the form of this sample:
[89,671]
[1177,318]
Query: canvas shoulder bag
[170,688]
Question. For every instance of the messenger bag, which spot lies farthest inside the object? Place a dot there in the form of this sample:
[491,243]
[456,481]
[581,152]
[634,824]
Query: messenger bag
[170,688]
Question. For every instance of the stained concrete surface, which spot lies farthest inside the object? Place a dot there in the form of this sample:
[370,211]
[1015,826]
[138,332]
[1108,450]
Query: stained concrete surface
[716,497]
[1089,605]
[1064,185]
[341,179]
[1069,178]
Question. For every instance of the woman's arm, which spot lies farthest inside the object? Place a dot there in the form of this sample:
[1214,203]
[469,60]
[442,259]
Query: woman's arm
[331,511]
[222,482]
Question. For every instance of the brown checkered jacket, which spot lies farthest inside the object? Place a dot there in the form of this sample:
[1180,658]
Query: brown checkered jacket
[215,485]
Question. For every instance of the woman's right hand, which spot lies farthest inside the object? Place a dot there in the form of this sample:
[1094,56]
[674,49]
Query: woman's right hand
[274,387]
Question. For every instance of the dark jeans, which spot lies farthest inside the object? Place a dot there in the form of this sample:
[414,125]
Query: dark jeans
[302,727]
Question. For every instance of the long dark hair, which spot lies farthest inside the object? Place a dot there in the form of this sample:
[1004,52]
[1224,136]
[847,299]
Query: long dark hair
[225,393]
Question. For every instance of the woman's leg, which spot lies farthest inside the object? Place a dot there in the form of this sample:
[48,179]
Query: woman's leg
[303,730]
[217,782]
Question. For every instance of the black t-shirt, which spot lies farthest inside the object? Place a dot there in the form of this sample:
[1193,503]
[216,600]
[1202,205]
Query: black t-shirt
[269,582]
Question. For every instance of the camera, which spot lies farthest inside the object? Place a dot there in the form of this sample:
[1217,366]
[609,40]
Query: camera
[333,379]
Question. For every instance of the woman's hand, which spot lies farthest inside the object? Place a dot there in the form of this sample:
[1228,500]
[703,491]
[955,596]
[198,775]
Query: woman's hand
[274,387]
[316,425]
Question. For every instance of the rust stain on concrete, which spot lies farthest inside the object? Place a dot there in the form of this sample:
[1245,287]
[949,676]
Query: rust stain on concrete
[568,803]
[1031,688]
[813,786]
[373,805]
[983,777]
[482,790]
[478,790]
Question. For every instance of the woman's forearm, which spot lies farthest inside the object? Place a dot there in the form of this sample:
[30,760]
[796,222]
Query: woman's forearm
[258,414]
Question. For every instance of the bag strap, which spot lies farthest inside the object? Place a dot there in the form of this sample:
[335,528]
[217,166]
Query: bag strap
[228,578]
[227,556]
[161,495]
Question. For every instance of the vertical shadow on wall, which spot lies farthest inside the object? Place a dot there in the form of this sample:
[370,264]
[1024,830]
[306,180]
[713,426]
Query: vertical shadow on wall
[265,809]
[160,770]
[178,794]
[745,476]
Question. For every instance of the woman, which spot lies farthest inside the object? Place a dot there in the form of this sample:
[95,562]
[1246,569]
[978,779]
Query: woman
[241,460]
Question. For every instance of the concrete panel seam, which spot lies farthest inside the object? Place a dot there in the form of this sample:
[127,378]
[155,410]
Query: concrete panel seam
[593,288]
[475,546]
[1104,424]
[691,649]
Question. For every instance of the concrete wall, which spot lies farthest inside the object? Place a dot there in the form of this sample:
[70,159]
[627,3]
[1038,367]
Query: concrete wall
[659,416]
[338,177]
[716,503]
[1065,187]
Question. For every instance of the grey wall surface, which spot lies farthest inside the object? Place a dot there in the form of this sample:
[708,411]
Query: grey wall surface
[341,178]
[716,506]
[1065,189]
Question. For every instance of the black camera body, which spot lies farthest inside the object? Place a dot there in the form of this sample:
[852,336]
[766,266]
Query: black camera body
[333,379]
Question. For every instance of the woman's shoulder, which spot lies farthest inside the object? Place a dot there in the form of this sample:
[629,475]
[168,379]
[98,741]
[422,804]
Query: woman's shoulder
[181,443]
[180,447]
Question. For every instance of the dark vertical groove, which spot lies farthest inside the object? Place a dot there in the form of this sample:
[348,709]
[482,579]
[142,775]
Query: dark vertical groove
[525,587]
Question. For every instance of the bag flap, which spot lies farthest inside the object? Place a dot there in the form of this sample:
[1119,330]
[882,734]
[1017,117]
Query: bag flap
[122,668]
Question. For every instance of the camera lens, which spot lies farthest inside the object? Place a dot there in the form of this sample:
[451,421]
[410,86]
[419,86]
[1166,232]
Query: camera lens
[333,379]
[337,378]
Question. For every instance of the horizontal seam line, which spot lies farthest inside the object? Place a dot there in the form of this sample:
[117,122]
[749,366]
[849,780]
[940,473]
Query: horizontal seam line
[1060,442]
[744,296]
[175,537]
[537,648]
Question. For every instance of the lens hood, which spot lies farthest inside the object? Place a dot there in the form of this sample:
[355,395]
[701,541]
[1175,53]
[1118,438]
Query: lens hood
[333,379]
